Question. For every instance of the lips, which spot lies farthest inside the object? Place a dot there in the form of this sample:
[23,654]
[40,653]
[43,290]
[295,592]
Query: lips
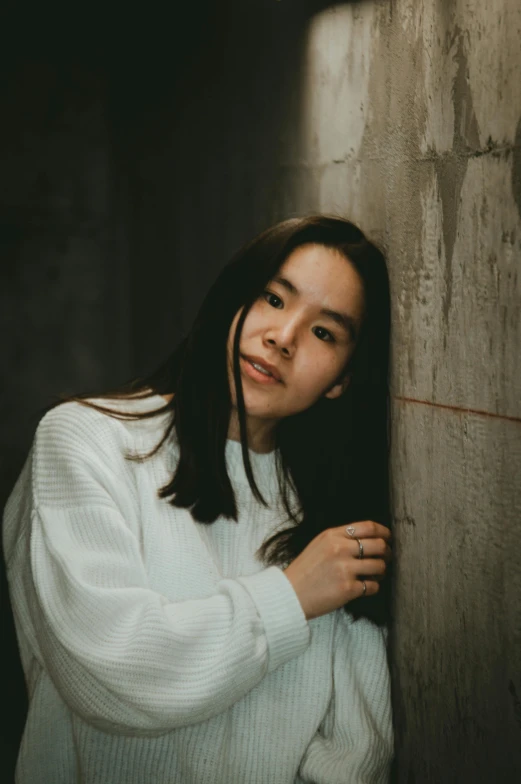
[266,365]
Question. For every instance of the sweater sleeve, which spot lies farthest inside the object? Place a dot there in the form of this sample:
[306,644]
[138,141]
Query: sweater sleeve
[124,657]
[355,743]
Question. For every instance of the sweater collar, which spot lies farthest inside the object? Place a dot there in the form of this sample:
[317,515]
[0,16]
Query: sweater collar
[264,466]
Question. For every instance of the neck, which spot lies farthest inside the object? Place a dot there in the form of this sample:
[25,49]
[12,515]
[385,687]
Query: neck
[261,450]
[260,435]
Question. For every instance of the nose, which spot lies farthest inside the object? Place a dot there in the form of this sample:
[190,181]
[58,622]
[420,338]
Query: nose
[283,336]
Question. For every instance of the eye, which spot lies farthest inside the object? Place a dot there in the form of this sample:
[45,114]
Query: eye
[268,295]
[329,337]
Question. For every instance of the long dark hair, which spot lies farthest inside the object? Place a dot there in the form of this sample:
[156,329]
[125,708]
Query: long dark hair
[334,456]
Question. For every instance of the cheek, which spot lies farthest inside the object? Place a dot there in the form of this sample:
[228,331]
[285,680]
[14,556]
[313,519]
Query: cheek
[253,320]
[320,370]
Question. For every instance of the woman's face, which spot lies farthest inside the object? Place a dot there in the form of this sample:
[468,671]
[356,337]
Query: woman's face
[289,328]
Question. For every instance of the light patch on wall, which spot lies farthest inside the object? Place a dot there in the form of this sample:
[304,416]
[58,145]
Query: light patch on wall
[437,70]
[493,54]
[336,102]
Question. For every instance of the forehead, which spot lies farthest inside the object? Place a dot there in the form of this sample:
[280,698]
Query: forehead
[325,277]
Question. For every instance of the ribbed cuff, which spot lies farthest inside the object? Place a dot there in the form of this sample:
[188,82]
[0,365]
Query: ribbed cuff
[287,629]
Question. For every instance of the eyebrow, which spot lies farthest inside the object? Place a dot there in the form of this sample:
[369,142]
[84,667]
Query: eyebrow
[342,319]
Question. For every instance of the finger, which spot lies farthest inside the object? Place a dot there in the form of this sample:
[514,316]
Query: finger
[365,529]
[372,548]
[371,566]
[371,587]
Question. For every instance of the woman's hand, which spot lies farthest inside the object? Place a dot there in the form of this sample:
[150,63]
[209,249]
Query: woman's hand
[328,573]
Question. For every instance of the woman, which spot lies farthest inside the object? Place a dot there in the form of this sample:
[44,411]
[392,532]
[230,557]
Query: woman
[196,562]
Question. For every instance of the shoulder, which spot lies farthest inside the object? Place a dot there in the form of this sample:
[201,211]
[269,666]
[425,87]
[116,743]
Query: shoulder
[77,428]
[82,419]
[81,453]
[77,424]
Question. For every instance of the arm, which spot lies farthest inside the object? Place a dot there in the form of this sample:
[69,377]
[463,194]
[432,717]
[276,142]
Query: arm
[122,656]
[354,744]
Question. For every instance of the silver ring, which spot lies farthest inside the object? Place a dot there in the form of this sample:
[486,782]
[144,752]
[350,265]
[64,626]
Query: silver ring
[360,548]
[365,587]
[350,530]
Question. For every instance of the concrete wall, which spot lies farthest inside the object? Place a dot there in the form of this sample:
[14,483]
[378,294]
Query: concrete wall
[430,97]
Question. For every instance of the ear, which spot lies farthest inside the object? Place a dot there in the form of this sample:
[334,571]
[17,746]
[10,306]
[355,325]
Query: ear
[338,388]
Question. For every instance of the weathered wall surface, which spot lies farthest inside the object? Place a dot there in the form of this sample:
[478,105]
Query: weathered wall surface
[411,125]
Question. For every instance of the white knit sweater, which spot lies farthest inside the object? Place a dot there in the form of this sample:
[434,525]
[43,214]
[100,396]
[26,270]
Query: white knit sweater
[159,650]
